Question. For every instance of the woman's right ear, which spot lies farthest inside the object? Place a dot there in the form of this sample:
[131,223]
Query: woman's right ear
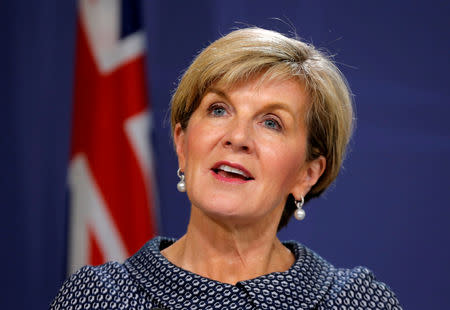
[178,139]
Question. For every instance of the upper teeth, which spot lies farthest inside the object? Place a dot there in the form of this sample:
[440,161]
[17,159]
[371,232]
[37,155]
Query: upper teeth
[233,170]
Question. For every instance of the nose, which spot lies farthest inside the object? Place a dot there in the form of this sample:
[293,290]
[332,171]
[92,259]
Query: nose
[239,137]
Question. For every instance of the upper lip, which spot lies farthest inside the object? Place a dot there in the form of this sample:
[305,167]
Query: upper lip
[236,168]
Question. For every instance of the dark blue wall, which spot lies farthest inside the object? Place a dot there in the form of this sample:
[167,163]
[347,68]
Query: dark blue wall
[389,208]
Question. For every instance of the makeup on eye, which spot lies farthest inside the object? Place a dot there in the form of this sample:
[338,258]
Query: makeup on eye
[217,110]
[269,121]
[272,123]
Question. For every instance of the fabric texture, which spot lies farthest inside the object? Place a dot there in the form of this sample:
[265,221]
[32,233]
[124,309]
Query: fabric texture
[147,280]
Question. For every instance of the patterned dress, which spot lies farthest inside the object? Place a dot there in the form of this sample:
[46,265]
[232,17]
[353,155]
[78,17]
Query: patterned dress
[147,280]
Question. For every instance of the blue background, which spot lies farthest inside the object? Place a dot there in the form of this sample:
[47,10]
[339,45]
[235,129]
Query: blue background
[389,208]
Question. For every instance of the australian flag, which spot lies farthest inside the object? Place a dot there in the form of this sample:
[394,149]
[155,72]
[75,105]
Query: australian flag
[112,188]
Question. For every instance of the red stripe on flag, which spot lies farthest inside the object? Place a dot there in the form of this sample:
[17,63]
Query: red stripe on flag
[103,103]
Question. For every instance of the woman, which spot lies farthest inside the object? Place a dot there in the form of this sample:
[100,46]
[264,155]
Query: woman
[260,124]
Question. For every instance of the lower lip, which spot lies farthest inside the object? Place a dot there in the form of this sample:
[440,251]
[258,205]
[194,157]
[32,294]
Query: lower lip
[228,180]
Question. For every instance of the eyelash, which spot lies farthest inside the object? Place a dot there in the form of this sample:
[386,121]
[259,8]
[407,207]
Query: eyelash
[277,123]
[215,106]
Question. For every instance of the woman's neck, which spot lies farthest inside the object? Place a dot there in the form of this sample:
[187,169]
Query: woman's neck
[229,254]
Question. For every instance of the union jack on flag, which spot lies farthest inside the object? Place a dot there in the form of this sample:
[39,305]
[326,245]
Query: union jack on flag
[112,204]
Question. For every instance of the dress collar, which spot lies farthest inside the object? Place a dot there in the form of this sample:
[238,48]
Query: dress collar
[302,286]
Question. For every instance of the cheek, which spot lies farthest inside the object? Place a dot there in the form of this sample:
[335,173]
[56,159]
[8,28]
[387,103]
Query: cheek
[284,162]
[200,140]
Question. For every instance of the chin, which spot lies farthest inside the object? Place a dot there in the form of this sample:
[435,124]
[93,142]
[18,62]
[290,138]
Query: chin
[225,210]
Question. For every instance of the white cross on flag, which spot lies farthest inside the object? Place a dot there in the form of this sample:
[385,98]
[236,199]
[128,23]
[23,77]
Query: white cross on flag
[112,205]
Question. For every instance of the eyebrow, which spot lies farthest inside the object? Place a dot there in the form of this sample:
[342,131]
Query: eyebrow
[279,106]
[218,92]
[270,106]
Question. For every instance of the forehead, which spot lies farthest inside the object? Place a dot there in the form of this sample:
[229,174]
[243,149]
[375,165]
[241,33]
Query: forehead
[258,79]
[289,89]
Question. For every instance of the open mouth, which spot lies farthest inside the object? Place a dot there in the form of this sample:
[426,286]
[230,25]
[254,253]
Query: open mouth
[229,171]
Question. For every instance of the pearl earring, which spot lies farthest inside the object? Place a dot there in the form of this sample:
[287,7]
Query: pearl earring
[300,213]
[181,186]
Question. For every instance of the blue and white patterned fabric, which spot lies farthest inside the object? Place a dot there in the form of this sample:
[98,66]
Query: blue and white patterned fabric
[148,280]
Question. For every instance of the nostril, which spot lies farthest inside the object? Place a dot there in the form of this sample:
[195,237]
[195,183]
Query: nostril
[243,147]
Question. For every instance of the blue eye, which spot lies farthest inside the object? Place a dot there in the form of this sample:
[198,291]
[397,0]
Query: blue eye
[217,110]
[272,124]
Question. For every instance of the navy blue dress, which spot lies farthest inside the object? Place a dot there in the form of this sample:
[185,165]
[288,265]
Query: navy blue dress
[147,280]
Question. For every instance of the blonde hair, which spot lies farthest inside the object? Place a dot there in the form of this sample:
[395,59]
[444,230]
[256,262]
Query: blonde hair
[246,53]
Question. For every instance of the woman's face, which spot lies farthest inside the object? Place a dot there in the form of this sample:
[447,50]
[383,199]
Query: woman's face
[244,151]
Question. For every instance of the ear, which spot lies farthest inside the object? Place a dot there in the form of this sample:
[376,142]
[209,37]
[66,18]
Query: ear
[179,140]
[309,176]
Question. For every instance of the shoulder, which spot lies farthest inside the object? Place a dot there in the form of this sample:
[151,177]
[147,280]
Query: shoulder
[100,287]
[114,285]
[340,288]
[358,288]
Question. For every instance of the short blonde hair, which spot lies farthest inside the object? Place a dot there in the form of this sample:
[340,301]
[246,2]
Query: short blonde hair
[246,53]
